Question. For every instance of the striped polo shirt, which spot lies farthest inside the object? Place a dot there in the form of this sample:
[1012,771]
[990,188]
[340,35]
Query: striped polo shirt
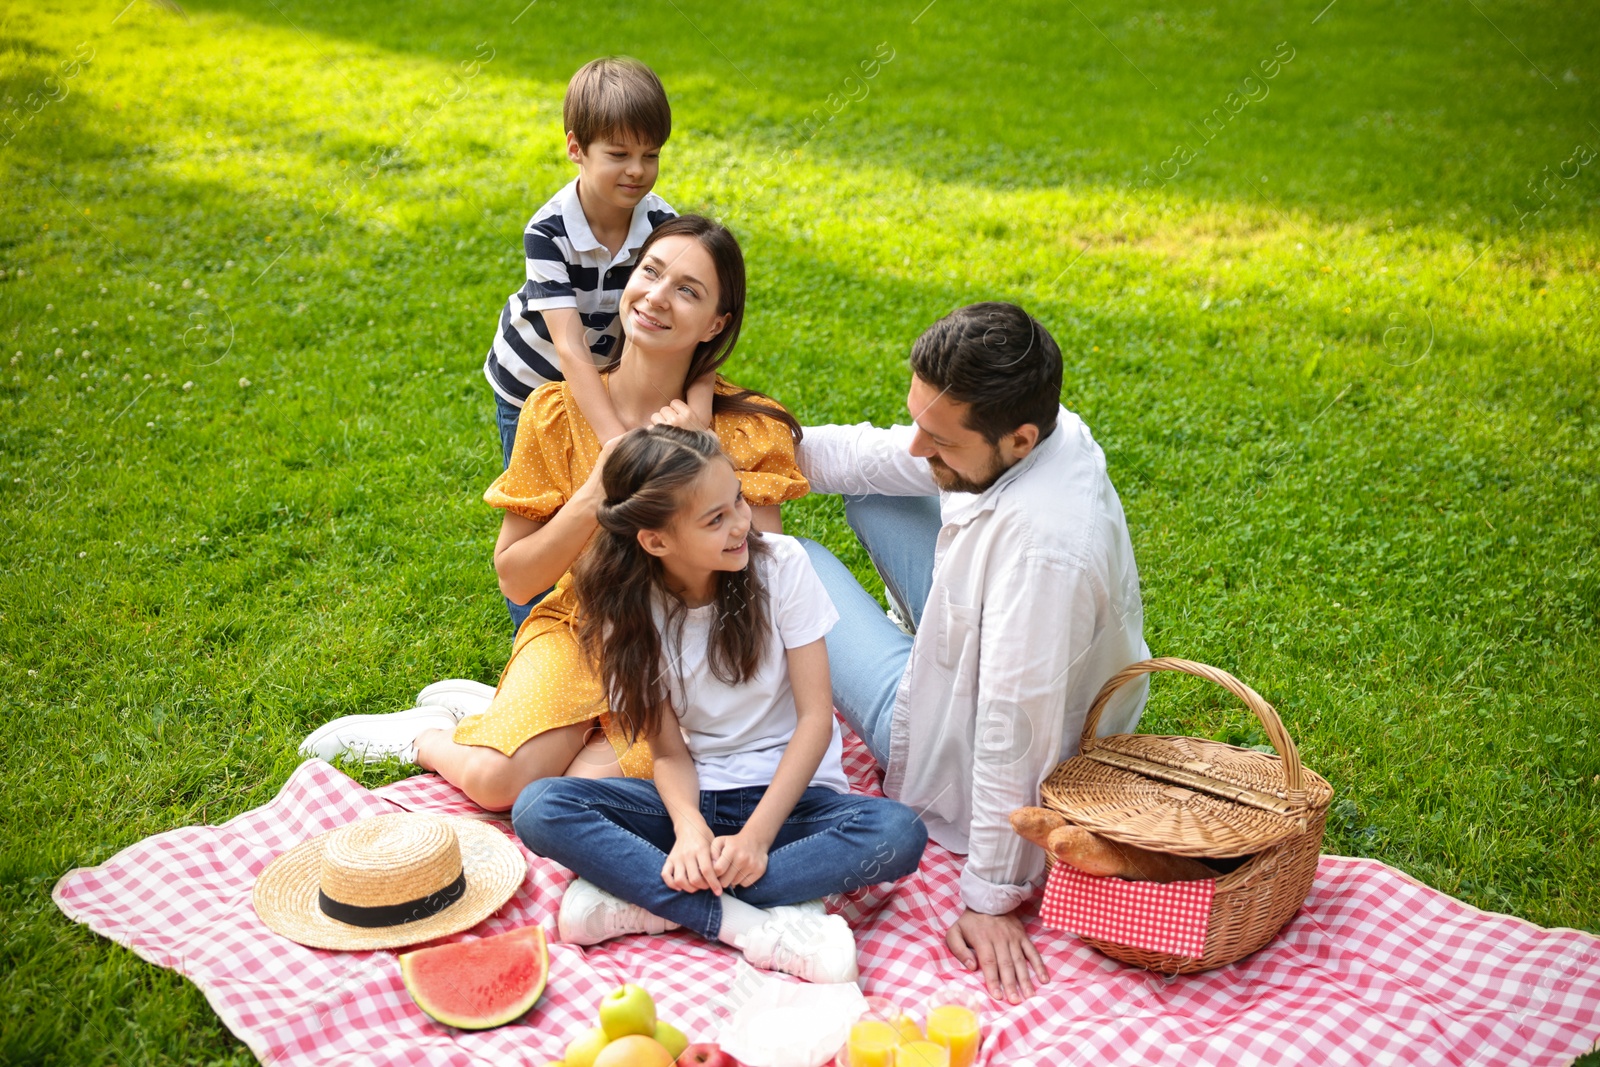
[567,268]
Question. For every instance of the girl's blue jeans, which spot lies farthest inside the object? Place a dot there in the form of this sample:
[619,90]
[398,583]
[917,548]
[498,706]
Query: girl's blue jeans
[616,833]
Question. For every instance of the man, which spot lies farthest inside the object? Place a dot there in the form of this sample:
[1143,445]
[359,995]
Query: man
[1003,548]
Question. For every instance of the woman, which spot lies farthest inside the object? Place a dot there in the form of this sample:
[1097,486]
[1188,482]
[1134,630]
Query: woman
[681,312]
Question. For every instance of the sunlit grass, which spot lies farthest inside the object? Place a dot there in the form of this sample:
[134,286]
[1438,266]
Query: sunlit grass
[1350,409]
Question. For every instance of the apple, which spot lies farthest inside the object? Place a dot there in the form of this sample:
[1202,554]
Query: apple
[633,1050]
[585,1047]
[706,1054]
[628,1010]
[671,1039]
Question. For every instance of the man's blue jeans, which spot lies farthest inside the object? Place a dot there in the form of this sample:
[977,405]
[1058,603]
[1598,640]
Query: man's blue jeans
[867,653]
[505,420]
[616,833]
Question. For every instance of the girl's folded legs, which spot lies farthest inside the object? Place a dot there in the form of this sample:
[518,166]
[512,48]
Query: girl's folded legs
[802,939]
[616,834]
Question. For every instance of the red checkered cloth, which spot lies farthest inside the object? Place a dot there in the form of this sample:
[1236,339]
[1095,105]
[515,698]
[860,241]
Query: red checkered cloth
[1161,917]
[1376,969]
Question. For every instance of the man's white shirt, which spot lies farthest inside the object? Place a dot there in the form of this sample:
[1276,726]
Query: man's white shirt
[1034,604]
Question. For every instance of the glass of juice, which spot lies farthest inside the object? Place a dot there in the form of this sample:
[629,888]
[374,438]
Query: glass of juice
[953,1022]
[874,1036]
[871,1043]
[922,1054]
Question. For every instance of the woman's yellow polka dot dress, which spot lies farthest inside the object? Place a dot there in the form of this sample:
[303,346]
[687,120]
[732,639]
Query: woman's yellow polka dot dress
[549,683]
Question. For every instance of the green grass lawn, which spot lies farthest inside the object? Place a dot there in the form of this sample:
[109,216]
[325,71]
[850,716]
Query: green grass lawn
[1337,335]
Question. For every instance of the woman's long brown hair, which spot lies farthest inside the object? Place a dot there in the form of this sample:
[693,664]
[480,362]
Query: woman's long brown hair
[724,250]
[647,482]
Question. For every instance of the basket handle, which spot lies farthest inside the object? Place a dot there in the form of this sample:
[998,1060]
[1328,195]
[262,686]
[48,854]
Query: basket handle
[1264,712]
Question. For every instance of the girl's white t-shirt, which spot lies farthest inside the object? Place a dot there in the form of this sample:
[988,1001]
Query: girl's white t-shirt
[737,734]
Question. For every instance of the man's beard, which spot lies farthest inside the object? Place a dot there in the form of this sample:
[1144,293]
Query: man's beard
[948,480]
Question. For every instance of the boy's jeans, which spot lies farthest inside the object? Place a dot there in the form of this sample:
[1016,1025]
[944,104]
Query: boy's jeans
[505,419]
[616,833]
[867,653]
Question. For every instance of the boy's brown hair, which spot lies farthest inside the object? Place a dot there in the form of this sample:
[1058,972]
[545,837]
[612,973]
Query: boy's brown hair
[616,98]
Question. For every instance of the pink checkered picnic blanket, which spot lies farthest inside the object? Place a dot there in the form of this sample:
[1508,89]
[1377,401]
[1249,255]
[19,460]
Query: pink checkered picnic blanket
[1376,969]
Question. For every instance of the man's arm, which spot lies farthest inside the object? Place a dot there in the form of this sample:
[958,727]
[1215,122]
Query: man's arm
[1038,621]
[863,459]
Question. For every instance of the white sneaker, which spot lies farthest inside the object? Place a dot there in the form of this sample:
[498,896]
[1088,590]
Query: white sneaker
[799,942]
[590,915]
[459,696]
[375,738]
[899,620]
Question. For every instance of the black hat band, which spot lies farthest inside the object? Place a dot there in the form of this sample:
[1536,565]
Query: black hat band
[394,914]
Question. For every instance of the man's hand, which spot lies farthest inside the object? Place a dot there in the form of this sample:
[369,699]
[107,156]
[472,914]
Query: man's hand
[998,945]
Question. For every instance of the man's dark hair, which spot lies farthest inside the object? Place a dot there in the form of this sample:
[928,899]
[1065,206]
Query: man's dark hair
[998,360]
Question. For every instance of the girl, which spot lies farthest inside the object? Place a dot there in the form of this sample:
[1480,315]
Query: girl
[681,311]
[713,653]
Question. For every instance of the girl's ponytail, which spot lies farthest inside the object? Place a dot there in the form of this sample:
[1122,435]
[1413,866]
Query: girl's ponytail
[616,582]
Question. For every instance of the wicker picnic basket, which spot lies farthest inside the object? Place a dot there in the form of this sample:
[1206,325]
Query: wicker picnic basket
[1194,797]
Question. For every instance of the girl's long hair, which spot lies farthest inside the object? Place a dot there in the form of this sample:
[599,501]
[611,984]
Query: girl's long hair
[647,481]
[723,247]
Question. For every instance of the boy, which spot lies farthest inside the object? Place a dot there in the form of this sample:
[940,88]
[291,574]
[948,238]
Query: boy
[581,247]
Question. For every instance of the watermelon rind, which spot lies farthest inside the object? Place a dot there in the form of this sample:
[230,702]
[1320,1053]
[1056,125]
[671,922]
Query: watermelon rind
[440,979]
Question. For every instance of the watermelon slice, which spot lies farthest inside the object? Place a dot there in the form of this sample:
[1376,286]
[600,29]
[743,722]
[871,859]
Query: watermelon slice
[473,985]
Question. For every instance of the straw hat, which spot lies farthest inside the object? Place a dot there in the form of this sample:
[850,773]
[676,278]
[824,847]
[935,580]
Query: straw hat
[389,881]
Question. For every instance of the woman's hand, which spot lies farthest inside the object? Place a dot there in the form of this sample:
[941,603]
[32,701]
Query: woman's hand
[690,867]
[530,557]
[739,860]
[678,414]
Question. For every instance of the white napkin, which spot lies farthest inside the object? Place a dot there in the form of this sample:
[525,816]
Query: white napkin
[788,1024]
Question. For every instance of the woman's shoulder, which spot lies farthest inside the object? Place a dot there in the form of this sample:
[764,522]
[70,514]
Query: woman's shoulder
[544,457]
[745,424]
[557,421]
[761,446]
[548,405]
